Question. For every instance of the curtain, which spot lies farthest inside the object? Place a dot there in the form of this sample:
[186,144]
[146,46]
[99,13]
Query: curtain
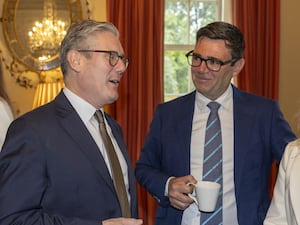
[260,22]
[140,23]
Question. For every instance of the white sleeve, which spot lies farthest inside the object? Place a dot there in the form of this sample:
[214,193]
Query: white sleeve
[276,214]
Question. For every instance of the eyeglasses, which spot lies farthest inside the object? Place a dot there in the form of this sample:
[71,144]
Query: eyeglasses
[211,63]
[113,56]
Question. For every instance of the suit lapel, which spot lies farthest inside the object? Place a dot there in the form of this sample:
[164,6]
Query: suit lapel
[73,125]
[184,123]
[241,135]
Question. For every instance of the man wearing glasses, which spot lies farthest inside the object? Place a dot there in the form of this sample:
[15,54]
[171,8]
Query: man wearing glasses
[66,163]
[236,148]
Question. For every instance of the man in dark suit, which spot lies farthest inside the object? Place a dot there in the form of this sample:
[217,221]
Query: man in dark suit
[54,165]
[253,130]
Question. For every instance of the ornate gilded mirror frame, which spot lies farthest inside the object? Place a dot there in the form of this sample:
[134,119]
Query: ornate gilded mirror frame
[20,17]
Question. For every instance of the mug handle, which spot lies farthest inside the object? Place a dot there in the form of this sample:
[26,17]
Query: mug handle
[191,196]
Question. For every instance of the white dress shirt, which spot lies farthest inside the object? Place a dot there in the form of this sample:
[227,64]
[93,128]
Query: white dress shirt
[86,112]
[191,216]
[6,118]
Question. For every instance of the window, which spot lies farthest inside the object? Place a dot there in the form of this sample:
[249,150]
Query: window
[182,20]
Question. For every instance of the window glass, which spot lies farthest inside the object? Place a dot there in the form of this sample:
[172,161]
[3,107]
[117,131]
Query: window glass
[182,20]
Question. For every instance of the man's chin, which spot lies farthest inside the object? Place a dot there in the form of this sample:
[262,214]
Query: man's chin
[202,88]
[113,99]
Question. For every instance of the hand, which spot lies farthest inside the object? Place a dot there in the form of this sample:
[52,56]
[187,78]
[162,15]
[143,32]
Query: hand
[122,221]
[178,190]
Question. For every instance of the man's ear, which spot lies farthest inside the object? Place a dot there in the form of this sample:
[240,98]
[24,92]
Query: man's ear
[238,66]
[74,58]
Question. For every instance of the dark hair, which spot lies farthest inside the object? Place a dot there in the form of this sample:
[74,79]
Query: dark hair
[232,36]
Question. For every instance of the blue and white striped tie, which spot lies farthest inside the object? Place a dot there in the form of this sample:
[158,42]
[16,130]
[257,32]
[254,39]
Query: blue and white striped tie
[212,164]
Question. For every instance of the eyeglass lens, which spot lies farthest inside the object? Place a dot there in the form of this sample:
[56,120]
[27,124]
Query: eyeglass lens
[114,58]
[212,64]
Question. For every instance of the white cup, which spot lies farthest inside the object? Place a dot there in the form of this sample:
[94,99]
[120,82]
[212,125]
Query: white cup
[206,195]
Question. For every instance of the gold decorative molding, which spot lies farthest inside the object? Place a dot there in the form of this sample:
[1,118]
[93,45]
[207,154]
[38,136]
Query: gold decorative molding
[25,68]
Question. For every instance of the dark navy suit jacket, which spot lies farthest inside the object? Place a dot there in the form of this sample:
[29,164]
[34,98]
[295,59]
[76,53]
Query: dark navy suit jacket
[52,172]
[260,136]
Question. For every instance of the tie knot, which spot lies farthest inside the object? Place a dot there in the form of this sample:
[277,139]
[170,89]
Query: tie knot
[99,116]
[213,106]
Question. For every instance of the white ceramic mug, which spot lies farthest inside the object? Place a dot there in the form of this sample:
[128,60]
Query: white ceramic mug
[206,195]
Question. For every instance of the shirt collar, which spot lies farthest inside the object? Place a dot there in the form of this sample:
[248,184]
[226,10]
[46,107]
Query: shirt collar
[84,109]
[224,100]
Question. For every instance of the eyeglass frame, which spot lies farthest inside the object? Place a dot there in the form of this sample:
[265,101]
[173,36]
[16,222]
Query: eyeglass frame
[221,63]
[111,53]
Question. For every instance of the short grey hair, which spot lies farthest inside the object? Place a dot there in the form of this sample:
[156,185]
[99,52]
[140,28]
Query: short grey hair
[77,36]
